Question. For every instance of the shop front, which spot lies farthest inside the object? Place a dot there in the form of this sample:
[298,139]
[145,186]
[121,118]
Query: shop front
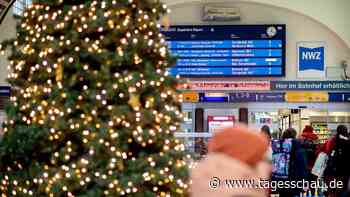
[324,108]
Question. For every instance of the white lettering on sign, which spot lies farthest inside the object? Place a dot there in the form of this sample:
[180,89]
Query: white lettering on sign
[311,55]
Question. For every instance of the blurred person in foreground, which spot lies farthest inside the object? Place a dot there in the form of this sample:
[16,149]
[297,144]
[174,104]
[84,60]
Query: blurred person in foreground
[237,154]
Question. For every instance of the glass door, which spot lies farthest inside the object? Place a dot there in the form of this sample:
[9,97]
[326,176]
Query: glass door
[260,117]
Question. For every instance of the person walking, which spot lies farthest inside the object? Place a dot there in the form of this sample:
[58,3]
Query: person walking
[288,162]
[308,140]
[266,131]
[337,168]
[309,149]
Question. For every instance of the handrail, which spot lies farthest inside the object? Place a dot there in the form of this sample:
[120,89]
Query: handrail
[4,12]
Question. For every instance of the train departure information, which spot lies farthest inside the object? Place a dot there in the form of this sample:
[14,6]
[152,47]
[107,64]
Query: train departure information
[234,50]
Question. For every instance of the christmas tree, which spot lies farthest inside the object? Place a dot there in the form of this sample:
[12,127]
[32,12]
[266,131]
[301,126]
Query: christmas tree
[93,109]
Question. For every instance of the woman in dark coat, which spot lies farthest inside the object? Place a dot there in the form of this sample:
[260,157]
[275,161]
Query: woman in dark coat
[338,163]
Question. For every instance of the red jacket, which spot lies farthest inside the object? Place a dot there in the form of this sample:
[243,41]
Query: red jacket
[328,146]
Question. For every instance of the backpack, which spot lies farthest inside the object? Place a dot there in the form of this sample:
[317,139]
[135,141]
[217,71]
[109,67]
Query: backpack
[337,164]
[281,158]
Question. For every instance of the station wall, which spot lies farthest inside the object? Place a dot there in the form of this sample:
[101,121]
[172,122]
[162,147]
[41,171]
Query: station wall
[299,28]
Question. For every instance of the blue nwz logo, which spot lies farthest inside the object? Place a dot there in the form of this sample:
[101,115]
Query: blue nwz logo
[311,58]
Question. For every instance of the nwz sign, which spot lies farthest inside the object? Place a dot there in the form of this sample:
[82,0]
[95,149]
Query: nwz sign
[311,60]
[311,55]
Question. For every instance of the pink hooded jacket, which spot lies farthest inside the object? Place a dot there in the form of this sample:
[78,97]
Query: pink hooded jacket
[215,176]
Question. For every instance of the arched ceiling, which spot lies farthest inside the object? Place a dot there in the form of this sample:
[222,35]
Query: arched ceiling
[333,14]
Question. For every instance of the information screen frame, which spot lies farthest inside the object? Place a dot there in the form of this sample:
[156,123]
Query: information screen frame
[234,33]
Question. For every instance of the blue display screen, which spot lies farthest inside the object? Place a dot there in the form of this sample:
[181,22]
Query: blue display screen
[227,50]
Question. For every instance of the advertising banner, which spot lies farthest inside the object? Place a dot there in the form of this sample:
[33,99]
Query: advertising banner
[219,122]
[305,97]
[311,60]
[311,85]
[227,85]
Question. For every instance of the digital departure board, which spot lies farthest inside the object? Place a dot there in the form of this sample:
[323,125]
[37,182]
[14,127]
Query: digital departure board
[228,51]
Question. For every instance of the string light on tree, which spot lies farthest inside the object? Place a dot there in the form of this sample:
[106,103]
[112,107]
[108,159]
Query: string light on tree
[91,99]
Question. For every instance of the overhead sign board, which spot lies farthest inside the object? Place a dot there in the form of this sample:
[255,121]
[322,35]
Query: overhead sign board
[311,85]
[227,50]
[256,97]
[339,97]
[190,97]
[213,97]
[245,97]
[227,85]
[5,90]
[270,97]
[242,97]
